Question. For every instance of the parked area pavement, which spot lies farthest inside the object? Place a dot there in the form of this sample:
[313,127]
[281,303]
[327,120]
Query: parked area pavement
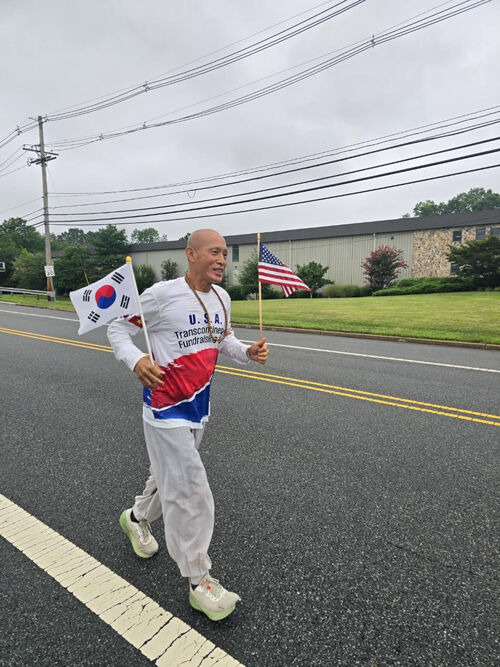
[356,493]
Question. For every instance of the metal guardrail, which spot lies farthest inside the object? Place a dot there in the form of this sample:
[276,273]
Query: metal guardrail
[34,292]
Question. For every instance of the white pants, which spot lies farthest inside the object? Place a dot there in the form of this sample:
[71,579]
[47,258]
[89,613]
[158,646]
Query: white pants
[178,489]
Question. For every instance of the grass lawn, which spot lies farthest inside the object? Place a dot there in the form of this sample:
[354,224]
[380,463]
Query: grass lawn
[462,316]
[62,302]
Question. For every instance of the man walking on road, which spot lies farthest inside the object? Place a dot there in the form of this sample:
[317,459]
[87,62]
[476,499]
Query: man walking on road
[188,322]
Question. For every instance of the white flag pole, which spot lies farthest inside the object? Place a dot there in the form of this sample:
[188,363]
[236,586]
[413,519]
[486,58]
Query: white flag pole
[129,264]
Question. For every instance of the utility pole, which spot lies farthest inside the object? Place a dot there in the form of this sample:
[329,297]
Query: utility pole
[42,159]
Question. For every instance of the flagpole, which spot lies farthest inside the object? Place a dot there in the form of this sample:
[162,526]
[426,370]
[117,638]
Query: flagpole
[260,285]
[129,264]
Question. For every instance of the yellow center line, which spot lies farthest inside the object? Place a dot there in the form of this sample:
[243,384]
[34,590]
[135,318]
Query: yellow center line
[347,392]
[251,373]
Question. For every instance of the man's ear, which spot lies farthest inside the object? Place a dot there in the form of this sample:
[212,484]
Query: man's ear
[190,254]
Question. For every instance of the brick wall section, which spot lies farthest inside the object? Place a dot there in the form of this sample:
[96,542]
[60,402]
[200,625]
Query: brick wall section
[429,248]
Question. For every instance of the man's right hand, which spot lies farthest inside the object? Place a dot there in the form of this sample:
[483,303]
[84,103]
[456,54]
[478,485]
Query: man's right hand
[151,375]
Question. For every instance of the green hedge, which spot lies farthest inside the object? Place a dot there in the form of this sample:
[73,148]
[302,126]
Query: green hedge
[343,291]
[428,285]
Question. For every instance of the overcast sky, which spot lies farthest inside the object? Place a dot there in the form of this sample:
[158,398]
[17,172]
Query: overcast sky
[56,54]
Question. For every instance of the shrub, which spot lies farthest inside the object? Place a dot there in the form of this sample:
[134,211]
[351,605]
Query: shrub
[382,265]
[236,292]
[144,276]
[341,291]
[168,269]
[429,285]
[407,282]
[303,294]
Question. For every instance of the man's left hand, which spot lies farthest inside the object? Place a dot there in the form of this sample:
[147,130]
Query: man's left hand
[258,351]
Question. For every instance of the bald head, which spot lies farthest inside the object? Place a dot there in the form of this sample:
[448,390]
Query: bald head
[204,237]
[206,253]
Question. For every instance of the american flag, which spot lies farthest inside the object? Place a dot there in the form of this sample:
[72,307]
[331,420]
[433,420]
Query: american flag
[273,271]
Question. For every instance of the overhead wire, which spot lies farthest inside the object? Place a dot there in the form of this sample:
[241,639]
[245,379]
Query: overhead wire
[122,218]
[288,204]
[288,171]
[383,37]
[402,134]
[125,94]
[185,75]
[294,184]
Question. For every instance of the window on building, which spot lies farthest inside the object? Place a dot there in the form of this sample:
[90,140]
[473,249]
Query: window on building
[453,269]
[236,253]
[480,233]
[495,231]
[457,236]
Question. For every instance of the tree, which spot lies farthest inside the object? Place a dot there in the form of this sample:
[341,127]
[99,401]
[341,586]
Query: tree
[185,237]
[22,235]
[110,244]
[147,235]
[144,276]
[73,236]
[381,267]
[476,199]
[312,274]
[249,277]
[8,253]
[28,270]
[72,269]
[479,259]
[168,269]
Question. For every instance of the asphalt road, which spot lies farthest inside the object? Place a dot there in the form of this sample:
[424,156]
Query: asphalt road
[358,529]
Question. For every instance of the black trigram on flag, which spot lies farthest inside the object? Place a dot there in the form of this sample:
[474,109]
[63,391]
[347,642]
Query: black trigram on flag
[125,301]
[117,277]
[93,316]
[86,294]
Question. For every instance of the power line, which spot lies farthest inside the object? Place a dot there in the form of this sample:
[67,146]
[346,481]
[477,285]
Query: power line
[295,184]
[126,94]
[229,59]
[402,134]
[288,171]
[297,203]
[383,37]
[285,194]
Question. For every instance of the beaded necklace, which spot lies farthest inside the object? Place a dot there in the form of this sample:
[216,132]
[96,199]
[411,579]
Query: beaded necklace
[210,331]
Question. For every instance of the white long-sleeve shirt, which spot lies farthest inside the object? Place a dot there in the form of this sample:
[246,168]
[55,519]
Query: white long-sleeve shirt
[182,346]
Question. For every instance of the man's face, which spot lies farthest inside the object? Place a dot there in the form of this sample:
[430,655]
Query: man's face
[210,258]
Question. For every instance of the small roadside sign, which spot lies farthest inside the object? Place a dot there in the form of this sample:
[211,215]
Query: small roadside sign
[2,266]
[49,271]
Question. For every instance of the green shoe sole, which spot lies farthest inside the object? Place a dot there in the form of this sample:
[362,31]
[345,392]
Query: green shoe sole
[135,546]
[212,615]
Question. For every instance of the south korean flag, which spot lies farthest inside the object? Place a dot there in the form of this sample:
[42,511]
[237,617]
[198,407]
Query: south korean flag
[105,299]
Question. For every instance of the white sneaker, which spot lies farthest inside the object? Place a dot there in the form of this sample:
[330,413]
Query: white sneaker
[140,535]
[211,598]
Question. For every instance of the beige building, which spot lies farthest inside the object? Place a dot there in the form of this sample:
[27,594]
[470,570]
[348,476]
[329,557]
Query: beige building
[424,242]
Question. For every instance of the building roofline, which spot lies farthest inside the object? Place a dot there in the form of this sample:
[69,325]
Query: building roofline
[351,229]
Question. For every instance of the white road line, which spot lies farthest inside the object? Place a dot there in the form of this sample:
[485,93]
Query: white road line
[313,349]
[376,356]
[50,317]
[158,634]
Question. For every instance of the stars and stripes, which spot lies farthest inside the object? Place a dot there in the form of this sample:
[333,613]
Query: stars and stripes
[273,271]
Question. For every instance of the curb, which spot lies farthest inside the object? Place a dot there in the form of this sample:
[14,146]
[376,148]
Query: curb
[321,332]
[398,339]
